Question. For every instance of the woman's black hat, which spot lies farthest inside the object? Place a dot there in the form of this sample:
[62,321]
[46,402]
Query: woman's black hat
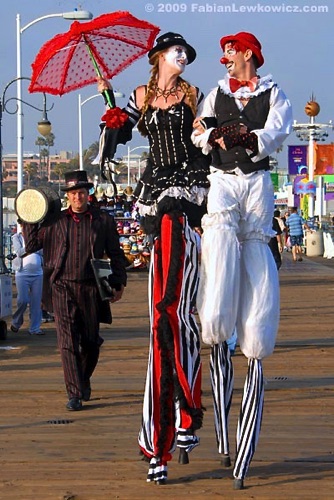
[168,40]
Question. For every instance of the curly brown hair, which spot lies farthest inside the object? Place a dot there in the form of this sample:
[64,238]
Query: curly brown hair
[184,85]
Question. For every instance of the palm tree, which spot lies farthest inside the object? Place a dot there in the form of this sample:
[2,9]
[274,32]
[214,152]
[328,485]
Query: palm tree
[40,141]
[49,142]
[73,164]
[44,156]
[91,153]
[89,156]
[30,169]
[59,170]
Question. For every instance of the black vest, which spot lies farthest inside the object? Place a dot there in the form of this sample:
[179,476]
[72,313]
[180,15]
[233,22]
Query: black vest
[254,116]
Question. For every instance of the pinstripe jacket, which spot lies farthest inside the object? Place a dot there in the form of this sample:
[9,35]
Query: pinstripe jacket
[53,239]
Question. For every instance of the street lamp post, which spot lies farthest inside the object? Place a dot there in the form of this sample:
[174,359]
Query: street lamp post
[44,128]
[131,151]
[80,104]
[3,267]
[312,132]
[79,15]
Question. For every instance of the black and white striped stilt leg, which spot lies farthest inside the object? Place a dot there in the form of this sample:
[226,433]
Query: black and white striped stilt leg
[186,442]
[221,373]
[250,418]
[157,471]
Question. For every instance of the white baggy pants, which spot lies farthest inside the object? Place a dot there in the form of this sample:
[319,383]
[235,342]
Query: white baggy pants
[239,281]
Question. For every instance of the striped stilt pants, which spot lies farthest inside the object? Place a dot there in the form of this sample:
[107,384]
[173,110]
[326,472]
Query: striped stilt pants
[251,410]
[221,374]
[250,418]
[172,400]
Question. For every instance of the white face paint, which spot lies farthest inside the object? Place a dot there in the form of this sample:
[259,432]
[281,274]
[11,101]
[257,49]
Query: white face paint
[177,57]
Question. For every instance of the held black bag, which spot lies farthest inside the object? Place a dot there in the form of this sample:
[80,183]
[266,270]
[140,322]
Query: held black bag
[102,271]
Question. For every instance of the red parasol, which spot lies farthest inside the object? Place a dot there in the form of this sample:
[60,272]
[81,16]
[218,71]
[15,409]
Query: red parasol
[104,46]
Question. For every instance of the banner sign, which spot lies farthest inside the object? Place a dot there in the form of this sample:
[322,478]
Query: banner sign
[281,201]
[324,159]
[274,180]
[297,160]
[303,186]
[329,187]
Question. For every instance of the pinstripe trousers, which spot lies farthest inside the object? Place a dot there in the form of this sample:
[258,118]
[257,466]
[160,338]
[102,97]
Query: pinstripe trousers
[76,315]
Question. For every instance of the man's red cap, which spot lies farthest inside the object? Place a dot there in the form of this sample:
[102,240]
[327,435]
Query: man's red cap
[247,40]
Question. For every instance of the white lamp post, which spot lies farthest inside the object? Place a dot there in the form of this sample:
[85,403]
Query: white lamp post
[80,104]
[312,132]
[43,127]
[131,151]
[79,15]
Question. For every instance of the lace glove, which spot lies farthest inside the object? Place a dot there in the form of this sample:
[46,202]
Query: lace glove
[233,138]
[249,141]
[228,133]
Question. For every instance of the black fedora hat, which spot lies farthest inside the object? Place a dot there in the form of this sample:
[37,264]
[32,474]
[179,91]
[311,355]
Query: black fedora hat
[76,179]
[168,40]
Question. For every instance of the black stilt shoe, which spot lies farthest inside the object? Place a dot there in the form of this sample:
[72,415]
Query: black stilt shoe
[238,484]
[183,457]
[226,461]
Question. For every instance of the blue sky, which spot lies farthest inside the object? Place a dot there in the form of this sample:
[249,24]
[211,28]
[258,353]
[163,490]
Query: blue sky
[296,35]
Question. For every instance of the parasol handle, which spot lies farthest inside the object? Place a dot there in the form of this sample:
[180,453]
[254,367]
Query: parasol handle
[110,101]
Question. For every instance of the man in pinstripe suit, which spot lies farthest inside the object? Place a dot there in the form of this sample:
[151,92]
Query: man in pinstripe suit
[70,291]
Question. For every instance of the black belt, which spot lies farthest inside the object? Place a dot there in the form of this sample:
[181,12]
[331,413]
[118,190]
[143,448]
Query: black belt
[232,172]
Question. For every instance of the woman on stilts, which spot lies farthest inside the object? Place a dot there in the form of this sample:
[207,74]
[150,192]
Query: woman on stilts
[171,196]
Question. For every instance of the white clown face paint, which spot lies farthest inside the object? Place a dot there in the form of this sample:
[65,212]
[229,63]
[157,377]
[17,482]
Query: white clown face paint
[176,56]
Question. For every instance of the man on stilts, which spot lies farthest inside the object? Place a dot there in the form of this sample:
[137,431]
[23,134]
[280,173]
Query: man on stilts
[243,121]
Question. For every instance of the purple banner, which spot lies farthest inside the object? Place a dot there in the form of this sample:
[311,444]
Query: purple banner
[297,160]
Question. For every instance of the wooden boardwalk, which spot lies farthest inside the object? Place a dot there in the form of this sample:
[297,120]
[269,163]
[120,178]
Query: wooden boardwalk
[47,452]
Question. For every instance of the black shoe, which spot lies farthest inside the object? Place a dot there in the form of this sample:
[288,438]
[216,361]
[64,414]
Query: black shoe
[47,317]
[14,329]
[74,404]
[183,457]
[238,484]
[225,461]
[86,390]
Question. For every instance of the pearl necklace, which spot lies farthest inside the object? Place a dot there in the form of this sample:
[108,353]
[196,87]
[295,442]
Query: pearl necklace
[166,93]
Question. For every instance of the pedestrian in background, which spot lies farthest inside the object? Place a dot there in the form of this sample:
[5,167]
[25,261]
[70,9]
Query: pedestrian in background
[29,283]
[296,225]
[276,243]
[286,239]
